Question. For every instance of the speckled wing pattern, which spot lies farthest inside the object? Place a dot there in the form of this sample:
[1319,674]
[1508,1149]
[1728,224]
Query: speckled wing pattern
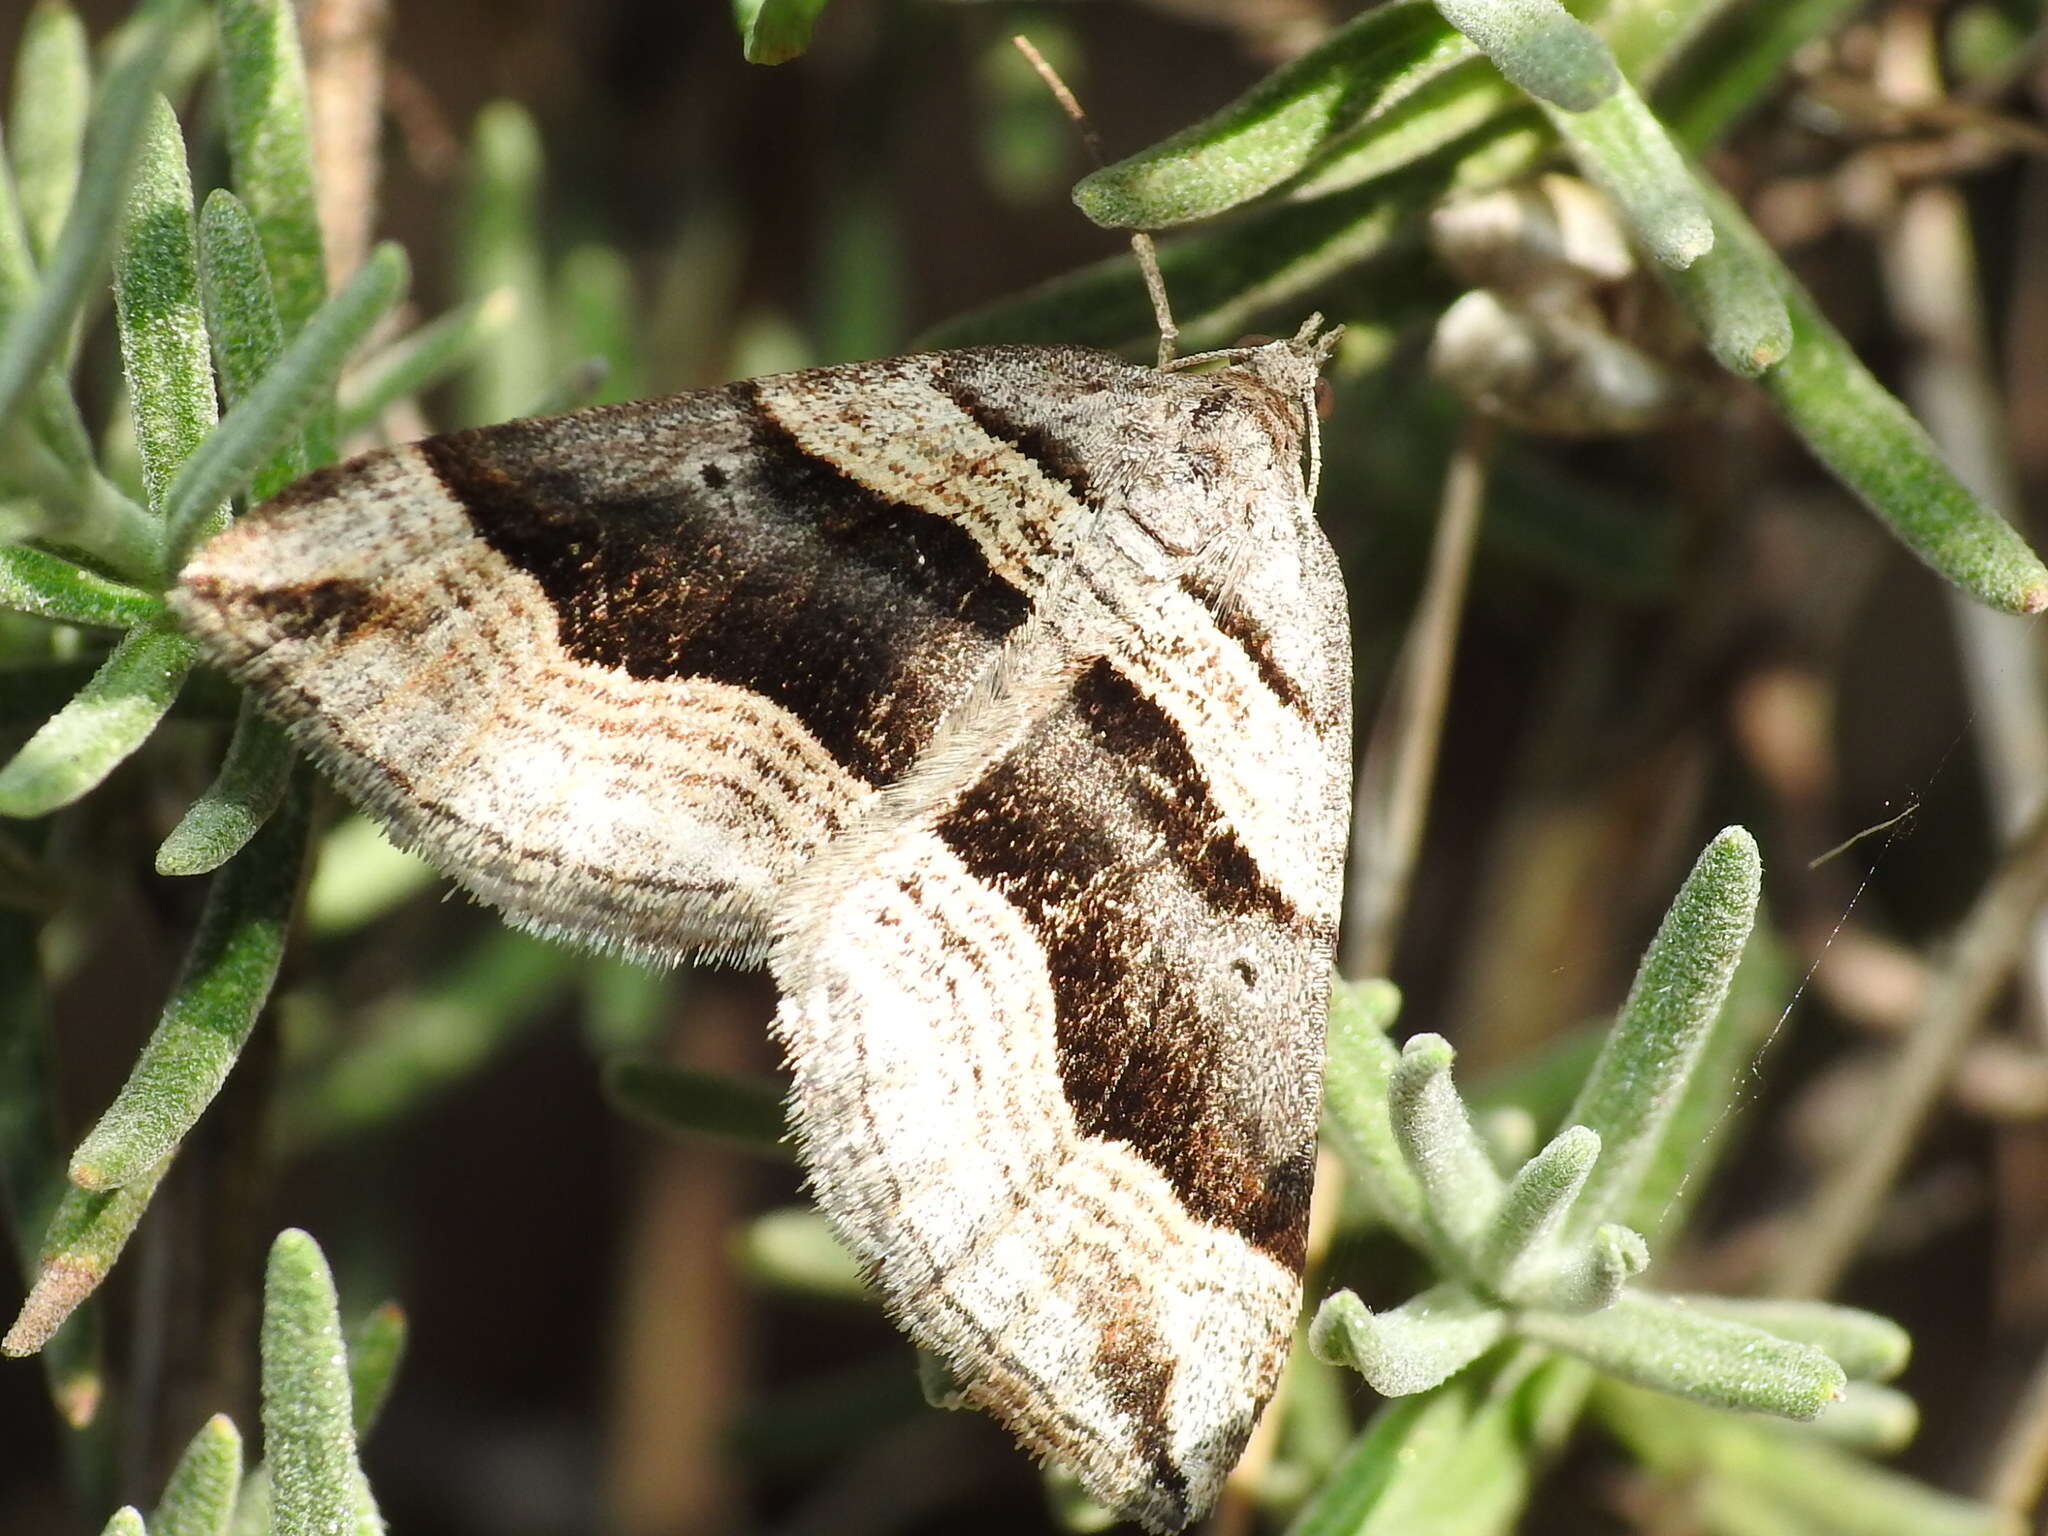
[998,700]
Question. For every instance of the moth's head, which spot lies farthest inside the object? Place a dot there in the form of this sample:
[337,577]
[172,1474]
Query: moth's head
[1236,441]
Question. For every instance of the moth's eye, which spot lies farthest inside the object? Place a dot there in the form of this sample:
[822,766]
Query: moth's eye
[1245,972]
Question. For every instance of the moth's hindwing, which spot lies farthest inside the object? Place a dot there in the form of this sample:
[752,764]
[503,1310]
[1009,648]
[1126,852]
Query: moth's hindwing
[1000,700]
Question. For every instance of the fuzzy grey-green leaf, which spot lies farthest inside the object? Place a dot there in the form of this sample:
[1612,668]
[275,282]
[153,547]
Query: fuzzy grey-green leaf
[36,333]
[296,385]
[263,73]
[1281,126]
[1642,1069]
[46,128]
[33,581]
[1359,1064]
[241,315]
[222,986]
[199,1499]
[317,1486]
[248,789]
[1541,47]
[1871,442]
[1534,1206]
[164,349]
[86,1235]
[1867,1347]
[1418,1345]
[1624,150]
[1460,1186]
[110,717]
[1663,1344]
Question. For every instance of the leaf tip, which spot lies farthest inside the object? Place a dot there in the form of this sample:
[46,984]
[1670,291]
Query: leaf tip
[58,1291]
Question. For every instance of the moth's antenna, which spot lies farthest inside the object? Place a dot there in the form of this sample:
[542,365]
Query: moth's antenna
[1141,242]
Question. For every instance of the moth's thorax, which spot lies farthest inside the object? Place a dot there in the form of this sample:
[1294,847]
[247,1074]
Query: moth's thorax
[1226,453]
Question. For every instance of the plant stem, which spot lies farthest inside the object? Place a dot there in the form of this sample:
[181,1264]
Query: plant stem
[1965,981]
[1398,766]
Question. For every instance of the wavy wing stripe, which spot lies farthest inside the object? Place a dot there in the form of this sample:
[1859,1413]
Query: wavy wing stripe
[1255,752]
[1061,1276]
[660,816]
[892,429]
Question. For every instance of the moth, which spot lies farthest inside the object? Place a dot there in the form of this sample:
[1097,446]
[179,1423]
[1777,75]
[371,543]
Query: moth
[997,700]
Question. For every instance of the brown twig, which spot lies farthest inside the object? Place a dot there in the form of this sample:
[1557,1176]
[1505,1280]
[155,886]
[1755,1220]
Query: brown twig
[1398,767]
[1968,977]
[344,42]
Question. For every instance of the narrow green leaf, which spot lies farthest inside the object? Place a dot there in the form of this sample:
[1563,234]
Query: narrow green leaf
[1643,1069]
[248,789]
[1624,151]
[162,330]
[1871,442]
[309,1442]
[775,31]
[32,581]
[1736,63]
[376,1349]
[46,128]
[1662,1344]
[501,253]
[1591,1277]
[32,1182]
[85,1236]
[1418,1345]
[199,1499]
[794,1250]
[360,876]
[1534,1206]
[1458,1461]
[1461,1189]
[725,1106]
[258,425]
[1879,1421]
[1735,300]
[52,411]
[226,978]
[127,1521]
[1541,47]
[1359,1065]
[1265,265]
[80,510]
[263,74]
[1710,1112]
[241,316]
[1282,125]
[422,358]
[1867,1347]
[111,716]
[1800,1476]
[599,314]
[417,1042]
[36,333]
[1439,111]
